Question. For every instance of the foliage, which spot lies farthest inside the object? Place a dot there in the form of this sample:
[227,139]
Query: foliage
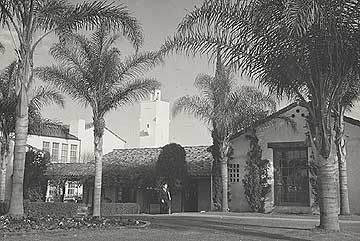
[40,97]
[227,108]
[35,182]
[32,21]
[171,166]
[92,72]
[310,50]
[256,180]
[44,223]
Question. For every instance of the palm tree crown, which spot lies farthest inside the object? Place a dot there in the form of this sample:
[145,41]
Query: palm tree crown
[227,109]
[92,72]
[303,49]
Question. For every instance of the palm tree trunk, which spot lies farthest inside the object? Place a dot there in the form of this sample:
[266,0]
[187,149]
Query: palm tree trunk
[4,160]
[225,183]
[99,125]
[21,131]
[224,152]
[216,172]
[341,158]
[328,194]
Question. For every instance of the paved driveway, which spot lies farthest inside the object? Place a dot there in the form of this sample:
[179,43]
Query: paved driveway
[200,227]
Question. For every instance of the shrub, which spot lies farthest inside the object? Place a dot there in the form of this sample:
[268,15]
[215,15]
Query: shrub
[39,209]
[256,180]
[9,224]
[171,166]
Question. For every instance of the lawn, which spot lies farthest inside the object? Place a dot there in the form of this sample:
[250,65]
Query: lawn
[178,228]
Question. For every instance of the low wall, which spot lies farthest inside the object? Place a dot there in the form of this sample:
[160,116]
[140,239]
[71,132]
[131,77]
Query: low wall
[41,209]
[114,209]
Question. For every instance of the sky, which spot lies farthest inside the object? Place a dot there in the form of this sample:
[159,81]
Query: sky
[159,19]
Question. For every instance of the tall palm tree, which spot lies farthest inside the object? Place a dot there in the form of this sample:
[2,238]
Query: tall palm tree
[226,108]
[40,97]
[28,18]
[345,104]
[302,49]
[92,72]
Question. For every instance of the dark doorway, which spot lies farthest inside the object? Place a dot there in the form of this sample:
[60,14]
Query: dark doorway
[191,197]
[291,178]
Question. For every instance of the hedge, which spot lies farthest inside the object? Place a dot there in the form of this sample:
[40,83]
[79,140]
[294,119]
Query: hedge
[40,209]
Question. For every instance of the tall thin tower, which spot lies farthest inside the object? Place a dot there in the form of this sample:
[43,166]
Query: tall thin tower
[154,121]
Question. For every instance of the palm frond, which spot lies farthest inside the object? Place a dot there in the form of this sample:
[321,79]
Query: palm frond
[90,15]
[44,96]
[129,93]
[134,66]
[197,106]
[2,48]
[67,81]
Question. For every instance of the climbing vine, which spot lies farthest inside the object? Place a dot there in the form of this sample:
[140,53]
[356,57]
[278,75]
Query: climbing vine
[256,180]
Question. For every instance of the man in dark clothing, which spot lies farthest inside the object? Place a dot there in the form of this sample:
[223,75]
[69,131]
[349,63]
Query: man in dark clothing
[165,198]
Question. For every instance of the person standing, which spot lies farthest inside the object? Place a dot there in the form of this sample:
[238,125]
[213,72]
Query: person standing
[165,198]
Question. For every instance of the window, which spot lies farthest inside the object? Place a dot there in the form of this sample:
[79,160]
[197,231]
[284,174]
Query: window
[291,178]
[72,188]
[46,146]
[73,153]
[64,153]
[234,173]
[55,151]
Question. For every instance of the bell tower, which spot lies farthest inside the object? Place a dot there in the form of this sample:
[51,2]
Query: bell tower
[154,121]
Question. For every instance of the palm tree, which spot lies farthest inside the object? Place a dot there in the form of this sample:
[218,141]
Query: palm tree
[92,72]
[28,18]
[226,108]
[40,97]
[345,104]
[302,49]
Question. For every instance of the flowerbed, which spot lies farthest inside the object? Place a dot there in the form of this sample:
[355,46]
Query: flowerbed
[27,224]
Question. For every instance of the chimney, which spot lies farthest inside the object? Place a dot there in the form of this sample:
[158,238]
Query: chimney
[77,128]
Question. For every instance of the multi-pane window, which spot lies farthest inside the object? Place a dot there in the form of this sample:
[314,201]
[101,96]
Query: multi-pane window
[234,173]
[291,178]
[46,146]
[55,151]
[72,188]
[64,152]
[73,153]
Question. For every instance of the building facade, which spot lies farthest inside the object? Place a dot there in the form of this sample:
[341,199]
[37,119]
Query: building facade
[154,122]
[85,132]
[288,150]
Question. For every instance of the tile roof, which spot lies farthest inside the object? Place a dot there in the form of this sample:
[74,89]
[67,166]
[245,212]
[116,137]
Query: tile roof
[70,169]
[199,162]
[54,130]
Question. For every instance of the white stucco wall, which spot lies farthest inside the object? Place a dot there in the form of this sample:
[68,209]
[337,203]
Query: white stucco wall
[352,133]
[276,130]
[279,131]
[86,135]
[37,141]
[110,142]
[154,123]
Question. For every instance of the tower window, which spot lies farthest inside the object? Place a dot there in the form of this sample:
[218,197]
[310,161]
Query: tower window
[147,125]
